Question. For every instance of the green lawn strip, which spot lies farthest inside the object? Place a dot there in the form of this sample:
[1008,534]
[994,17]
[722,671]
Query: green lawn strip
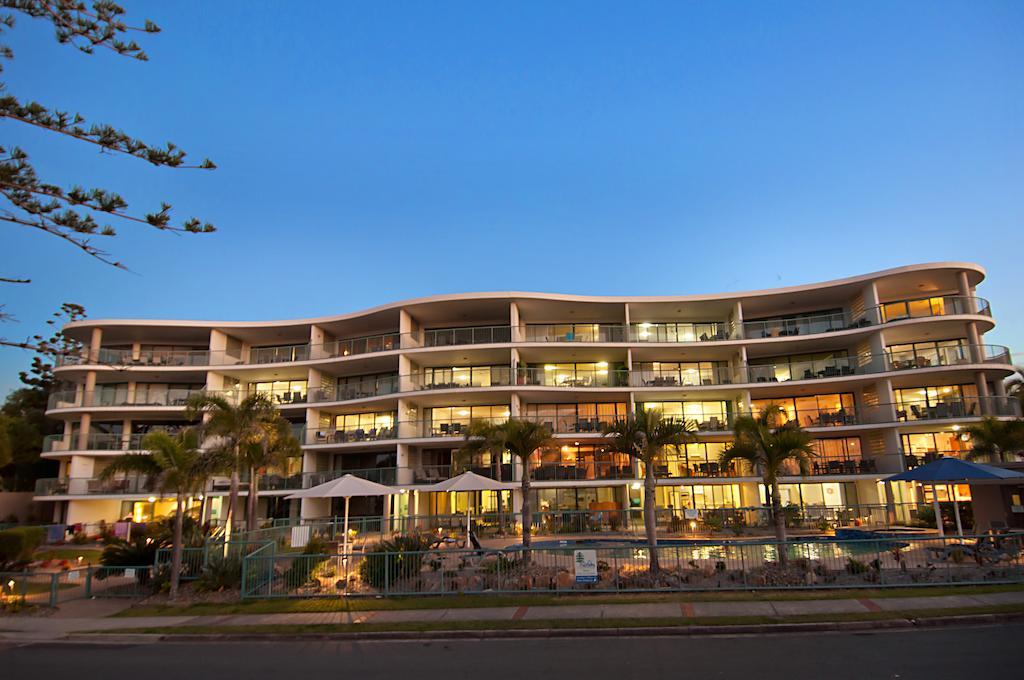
[90,553]
[338,604]
[562,624]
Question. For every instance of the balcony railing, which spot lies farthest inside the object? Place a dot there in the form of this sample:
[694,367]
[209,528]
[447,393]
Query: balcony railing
[80,486]
[945,305]
[679,332]
[948,356]
[384,342]
[120,397]
[817,417]
[363,389]
[579,332]
[686,377]
[850,465]
[693,468]
[582,470]
[146,357]
[447,379]
[806,325]
[573,424]
[968,407]
[352,435]
[56,443]
[279,354]
[471,335]
[579,378]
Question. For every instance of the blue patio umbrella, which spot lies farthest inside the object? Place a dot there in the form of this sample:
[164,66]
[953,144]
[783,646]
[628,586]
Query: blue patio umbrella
[955,471]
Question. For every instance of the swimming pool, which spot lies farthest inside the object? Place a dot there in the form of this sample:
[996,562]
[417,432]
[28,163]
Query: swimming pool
[812,547]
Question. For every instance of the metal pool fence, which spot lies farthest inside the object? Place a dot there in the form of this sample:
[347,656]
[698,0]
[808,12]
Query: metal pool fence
[625,567]
[53,588]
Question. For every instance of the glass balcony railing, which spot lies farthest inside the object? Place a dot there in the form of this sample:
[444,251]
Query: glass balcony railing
[279,354]
[679,332]
[574,332]
[384,342]
[967,407]
[127,357]
[459,378]
[945,305]
[682,377]
[806,325]
[953,355]
[582,469]
[832,367]
[849,465]
[95,442]
[693,468]
[77,486]
[573,424]
[375,386]
[817,417]
[471,335]
[352,435]
[120,397]
[579,378]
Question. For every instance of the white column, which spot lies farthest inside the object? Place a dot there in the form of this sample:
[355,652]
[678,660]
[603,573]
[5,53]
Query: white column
[95,342]
[409,330]
[515,322]
[406,372]
[318,338]
[737,320]
[871,302]
[404,475]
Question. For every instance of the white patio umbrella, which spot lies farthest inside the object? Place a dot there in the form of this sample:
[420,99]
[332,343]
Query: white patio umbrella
[470,481]
[346,487]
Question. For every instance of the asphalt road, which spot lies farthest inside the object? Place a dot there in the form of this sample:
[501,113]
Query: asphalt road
[992,652]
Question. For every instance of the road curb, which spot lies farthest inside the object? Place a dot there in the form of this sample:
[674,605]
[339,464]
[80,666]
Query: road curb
[640,631]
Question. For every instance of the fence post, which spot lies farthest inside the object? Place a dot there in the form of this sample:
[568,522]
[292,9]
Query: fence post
[88,581]
[54,582]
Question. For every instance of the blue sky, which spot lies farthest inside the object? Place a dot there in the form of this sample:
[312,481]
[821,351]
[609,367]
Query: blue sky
[374,151]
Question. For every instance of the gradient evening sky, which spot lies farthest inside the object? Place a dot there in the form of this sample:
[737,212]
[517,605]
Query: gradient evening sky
[373,152]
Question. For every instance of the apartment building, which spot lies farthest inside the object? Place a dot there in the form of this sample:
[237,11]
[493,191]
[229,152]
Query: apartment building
[885,370]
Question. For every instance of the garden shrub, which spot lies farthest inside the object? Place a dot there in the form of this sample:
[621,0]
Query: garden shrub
[391,560]
[18,544]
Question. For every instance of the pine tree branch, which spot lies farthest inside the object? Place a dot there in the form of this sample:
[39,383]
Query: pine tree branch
[103,136]
[55,230]
[158,220]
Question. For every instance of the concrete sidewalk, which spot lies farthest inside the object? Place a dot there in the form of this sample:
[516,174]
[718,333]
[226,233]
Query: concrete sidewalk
[95,615]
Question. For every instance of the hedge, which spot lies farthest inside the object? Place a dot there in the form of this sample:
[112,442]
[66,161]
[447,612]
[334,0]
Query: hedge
[18,544]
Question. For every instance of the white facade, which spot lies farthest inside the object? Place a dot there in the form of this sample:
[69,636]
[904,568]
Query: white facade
[883,368]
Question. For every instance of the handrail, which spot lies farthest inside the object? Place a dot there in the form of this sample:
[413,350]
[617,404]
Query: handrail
[467,335]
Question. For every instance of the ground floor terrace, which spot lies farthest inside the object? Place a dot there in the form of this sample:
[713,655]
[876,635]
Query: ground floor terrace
[690,507]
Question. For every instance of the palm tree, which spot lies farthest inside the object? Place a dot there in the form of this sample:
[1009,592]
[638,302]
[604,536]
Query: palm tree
[236,426]
[768,447]
[173,464]
[273,448]
[520,438]
[645,436]
[996,440]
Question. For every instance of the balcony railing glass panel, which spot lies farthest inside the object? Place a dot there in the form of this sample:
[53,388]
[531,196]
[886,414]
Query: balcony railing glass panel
[575,378]
[472,335]
[679,332]
[463,377]
[369,344]
[944,305]
[362,389]
[805,325]
[574,332]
